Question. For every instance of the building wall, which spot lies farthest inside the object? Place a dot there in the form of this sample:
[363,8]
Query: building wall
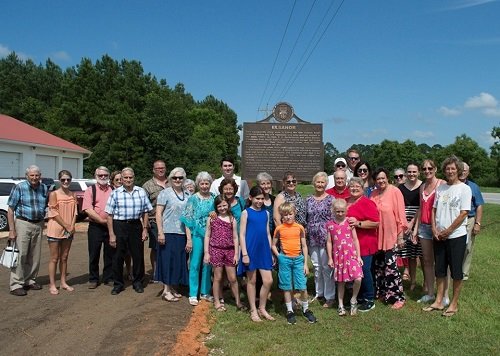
[16,157]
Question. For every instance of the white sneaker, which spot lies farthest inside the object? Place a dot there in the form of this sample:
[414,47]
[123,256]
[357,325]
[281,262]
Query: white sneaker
[426,299]
[446,302]
[207,297]
[193,301]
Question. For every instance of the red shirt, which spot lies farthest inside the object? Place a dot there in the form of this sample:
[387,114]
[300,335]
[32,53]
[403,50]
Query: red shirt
[345,194]
[365,209]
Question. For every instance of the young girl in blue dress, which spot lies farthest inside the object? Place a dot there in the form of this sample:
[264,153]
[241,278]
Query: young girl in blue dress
[255,242]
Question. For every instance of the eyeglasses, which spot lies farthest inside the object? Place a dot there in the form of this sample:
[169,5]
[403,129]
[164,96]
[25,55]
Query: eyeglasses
[399,176]
[353,158]
[159,168]
[293,181]
[177,178]
[103,175]
[340,165]
[64,180]
[363,170]
[427,168]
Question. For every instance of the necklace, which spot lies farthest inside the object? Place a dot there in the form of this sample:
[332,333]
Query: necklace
[178,197]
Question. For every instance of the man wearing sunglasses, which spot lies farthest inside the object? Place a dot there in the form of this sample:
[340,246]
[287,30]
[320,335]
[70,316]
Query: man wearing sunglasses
[353,157]
[94,203]
[27,203]
[154,187]
[340,164]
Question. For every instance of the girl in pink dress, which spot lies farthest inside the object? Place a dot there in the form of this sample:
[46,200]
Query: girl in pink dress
[343,255]
[221,251]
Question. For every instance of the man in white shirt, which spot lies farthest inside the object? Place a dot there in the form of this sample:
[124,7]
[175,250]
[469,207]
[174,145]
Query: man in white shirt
[339,164]
[227,167]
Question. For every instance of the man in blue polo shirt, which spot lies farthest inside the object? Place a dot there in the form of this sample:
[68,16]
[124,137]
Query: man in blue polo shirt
[27,203]
[127,209]
[473,221]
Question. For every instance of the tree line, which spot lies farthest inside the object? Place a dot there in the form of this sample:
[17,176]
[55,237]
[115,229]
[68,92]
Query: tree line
[127,117]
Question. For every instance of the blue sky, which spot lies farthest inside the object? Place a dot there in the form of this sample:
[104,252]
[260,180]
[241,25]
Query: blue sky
[426,70]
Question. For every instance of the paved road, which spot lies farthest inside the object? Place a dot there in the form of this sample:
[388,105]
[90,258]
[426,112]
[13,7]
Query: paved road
[492,198]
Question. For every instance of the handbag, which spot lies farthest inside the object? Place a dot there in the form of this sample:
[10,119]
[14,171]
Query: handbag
[10,255]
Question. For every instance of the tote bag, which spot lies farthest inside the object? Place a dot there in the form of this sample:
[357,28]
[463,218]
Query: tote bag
[10,255]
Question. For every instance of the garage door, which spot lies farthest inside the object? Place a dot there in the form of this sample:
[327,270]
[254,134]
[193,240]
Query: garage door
[10,165]
[47,165]
[71,164]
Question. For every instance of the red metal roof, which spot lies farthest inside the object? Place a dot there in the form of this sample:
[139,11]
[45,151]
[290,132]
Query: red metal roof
[18,131]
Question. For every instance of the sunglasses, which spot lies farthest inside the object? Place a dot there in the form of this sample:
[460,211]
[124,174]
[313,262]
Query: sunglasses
[293,181]
[117,180]
[177,178]
[340,165]
[363,170]
[64,180]
[427,168]
[103,175]
[353,158]
[399,176]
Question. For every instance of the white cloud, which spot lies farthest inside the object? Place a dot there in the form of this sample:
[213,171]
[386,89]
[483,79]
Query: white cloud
[463,4]
[483,100]
[445,111]
[60,55]
[491,112]
[423,134]
[5,51]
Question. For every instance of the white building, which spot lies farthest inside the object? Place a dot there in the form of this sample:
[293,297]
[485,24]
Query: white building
[22,145]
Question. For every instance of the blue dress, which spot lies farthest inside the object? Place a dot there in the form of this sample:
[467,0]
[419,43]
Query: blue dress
[258,248]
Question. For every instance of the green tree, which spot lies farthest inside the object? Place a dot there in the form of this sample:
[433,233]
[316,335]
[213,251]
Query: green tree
[331,153]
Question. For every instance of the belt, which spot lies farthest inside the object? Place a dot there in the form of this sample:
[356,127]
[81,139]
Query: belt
[471,216]
[130,221]
[29,220]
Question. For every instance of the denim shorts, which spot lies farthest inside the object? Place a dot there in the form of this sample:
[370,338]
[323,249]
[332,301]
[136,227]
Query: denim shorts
[425,231]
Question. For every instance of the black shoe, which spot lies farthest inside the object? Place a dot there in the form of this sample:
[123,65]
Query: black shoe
[116,290]
[366,307]
[139,289]
[290,318]
[19,292]
[34,286]
[308,314]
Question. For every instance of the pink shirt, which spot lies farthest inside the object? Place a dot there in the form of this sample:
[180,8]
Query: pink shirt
[391,206]
[102,195]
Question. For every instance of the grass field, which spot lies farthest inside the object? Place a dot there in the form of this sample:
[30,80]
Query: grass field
[490,189]
[474,330]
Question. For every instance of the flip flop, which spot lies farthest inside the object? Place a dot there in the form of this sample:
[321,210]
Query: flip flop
[431,308]
[169,297]
[449,313]
[241,308]
[54,291]
[69,288]
[221,308]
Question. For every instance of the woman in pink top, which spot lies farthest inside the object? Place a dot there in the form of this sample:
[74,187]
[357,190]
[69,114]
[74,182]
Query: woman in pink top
[422,228]
[390,203]
[60,230]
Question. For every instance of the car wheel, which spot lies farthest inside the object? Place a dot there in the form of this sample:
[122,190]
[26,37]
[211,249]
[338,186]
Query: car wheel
[4,222]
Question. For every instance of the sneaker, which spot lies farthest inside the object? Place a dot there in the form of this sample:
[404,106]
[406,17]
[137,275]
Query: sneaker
[366,306]
[290,318]
[354,308]
[426,299]
[193,301]
[207,297]
[446,302]
[398,305]
[308,314]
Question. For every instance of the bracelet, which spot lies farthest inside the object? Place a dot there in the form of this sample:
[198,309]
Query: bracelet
[359,223]
[244,255]
[477,223]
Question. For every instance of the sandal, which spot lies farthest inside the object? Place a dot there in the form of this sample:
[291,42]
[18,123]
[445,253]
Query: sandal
[68,288]
[341,311]
[406,277]
[449,313]
[264,314]
[54,291]
[221,308]
[169,297]
[241,308]
[430,308]
[254,316]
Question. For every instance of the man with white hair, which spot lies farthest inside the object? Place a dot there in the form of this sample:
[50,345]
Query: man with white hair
[473,219]
[27,203]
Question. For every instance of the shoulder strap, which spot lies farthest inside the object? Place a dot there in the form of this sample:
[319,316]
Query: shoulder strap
[94,191]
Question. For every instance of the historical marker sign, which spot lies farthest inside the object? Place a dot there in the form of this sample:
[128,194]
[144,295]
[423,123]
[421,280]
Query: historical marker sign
[277,147]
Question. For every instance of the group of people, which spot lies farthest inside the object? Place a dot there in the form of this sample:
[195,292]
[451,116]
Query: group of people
[353,228]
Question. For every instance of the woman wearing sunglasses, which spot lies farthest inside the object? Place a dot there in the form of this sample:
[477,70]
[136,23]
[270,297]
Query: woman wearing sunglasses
[60,230]
[364,171]
[290,195]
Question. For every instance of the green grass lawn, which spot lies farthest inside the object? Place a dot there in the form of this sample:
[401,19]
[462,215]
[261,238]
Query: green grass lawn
[490,189]
[474,330]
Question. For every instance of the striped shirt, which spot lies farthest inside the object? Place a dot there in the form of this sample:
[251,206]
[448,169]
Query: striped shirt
[28,202]
[124,205]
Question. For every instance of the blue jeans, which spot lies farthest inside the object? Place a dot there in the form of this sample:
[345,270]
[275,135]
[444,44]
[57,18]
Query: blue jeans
[195,264]
[367,291]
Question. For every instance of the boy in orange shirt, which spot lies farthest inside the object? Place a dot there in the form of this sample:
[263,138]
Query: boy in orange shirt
[292,261]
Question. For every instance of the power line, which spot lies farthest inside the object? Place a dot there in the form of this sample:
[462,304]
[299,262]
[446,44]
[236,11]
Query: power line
[277,55]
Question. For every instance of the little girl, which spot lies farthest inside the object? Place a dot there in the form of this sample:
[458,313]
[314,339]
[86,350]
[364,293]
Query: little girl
[221,251]
[343,255]
[255,240]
